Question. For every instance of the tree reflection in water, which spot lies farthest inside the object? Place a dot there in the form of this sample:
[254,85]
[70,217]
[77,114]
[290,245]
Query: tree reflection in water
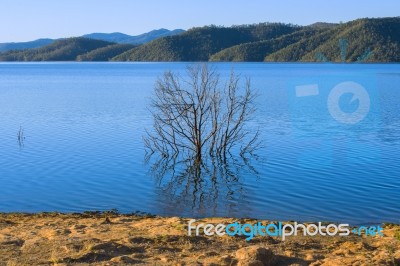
[202,138]
[212,187]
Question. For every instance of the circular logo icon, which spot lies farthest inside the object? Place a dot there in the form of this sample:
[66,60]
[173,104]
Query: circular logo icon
[359,93]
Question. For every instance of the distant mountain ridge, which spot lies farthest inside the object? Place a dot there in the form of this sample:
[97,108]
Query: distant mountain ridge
[361,40]
[118,37]
[115,37]
[24,45]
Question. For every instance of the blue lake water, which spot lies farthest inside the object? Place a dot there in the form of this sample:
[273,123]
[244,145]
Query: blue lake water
[83,125]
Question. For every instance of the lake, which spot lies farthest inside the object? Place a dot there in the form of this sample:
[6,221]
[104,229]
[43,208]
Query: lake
[330,134]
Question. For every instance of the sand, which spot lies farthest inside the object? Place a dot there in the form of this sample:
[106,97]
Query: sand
[115,239]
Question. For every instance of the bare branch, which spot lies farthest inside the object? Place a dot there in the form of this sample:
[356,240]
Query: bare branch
[198,117]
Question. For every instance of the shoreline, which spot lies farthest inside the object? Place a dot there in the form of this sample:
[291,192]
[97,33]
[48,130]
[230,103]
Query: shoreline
[110,238]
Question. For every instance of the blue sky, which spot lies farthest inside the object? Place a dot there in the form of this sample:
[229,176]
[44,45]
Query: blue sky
[24,20]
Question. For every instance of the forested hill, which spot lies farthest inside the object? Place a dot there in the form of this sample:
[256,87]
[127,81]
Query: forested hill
[199,44]
[369,40]
[24,45]
[363,40]
[62,50]
[115,37]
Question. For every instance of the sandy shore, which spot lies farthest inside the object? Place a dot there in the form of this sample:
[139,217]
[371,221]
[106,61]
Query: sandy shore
[114,239]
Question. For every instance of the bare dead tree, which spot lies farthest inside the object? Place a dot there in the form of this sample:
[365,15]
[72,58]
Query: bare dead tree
[199,116]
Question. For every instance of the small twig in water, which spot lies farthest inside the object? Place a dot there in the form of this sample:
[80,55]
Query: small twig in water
[21,136]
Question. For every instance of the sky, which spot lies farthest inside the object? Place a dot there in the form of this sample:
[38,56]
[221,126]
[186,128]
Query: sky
[25,20]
